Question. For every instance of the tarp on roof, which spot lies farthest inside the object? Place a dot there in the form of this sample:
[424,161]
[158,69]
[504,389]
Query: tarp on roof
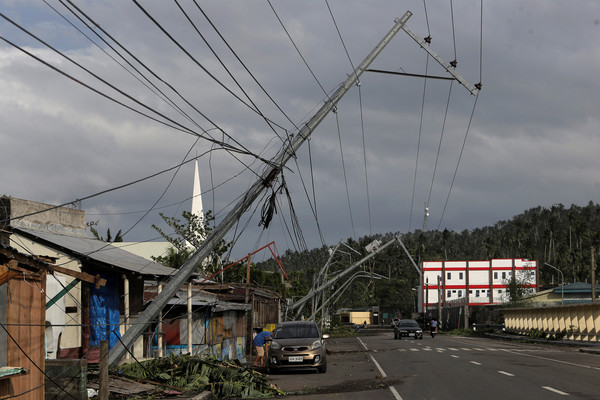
[100,251]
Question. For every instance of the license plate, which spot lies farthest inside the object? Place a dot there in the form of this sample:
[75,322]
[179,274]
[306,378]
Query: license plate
[296,359]
[411,334]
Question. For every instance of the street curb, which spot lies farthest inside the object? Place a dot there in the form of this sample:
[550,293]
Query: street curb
[590,351]
[592,348]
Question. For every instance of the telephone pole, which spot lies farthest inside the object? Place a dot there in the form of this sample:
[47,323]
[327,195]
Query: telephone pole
[263,182]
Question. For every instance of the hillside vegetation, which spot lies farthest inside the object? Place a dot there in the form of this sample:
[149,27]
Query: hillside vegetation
[562,237]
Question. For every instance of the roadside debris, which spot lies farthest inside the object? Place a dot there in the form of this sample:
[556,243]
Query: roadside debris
[225,379]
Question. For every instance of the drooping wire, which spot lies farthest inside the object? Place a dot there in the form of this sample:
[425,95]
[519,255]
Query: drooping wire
[172,124]
[418,144]
[440,143]
[458,162]
[362,124]
[191,57]
[226,68]
[96,25]
[312,204]
[344,170]
[471,117]
[453,32]
[297,49]
[244,65]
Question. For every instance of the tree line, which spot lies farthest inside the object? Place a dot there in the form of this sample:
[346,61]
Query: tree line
[566,238]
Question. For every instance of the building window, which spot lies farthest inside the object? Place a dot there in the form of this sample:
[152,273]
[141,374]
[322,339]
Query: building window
[470,292]
[460,275]
[495,275]
[449,293]
[460,293]
[477,293]
[448,275]
[504,275]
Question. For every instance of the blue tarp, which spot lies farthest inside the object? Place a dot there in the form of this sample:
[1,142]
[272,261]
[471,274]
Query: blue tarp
[104,312]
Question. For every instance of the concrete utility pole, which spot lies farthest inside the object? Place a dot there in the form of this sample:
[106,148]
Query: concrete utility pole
[265,180]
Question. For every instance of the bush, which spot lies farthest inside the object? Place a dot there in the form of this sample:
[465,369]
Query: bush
[536,334]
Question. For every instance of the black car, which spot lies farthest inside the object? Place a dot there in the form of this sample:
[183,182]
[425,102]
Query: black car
[408,328]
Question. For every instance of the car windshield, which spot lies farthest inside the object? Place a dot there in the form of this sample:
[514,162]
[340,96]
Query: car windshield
[408,324]
[296,331]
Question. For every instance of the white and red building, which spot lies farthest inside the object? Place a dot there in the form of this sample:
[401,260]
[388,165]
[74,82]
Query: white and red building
[478,282]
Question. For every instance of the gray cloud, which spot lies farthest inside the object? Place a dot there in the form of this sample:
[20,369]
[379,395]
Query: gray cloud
[532,141]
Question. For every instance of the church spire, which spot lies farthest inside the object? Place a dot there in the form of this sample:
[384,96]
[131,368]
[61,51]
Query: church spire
[197,208]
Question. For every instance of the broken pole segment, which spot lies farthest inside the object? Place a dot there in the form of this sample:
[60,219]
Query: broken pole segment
[264,181]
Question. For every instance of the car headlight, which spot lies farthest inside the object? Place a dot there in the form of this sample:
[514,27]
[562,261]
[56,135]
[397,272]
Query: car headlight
[419,331]
[275,346]
[316,344]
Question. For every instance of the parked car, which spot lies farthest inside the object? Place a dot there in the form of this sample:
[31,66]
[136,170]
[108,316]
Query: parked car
[298,344]
[408,328]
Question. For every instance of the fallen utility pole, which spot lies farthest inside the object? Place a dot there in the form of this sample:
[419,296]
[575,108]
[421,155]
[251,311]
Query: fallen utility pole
[316,291]
[264,181]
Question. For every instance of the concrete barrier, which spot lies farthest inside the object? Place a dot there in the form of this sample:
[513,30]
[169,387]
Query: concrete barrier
[572,322]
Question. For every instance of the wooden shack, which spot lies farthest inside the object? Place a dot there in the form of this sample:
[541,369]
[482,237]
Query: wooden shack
[22,317]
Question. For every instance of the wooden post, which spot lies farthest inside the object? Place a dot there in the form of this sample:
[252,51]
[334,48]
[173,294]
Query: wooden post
[160,328]
[189,316]
[126,316]
[104,392]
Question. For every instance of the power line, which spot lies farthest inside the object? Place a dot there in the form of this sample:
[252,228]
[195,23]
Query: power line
[297,49]
[226,69]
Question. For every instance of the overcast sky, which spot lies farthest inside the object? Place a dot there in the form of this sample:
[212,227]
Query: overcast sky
[533,140]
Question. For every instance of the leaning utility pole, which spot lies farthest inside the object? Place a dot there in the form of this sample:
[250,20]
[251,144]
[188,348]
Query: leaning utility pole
[264,181]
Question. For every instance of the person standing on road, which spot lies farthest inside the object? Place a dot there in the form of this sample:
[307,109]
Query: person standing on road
[259,342]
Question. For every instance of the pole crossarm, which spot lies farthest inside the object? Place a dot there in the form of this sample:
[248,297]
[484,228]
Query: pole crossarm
[262,183]
[451,70]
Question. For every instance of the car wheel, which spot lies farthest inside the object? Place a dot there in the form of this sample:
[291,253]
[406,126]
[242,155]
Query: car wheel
[322,369]
[395,335]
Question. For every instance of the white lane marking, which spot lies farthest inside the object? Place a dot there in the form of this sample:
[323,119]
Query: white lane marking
[401,349]
[555,390]
[383,374]
[551,359]
[427,349]
[475,362]
[413,349]
[452,348]
[455,356]
[363,345]
[478,349]
[465,348]
[395,393]
[506,373]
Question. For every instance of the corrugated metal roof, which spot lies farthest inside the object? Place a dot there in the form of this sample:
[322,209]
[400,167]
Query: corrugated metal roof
[100,251]
[145,249]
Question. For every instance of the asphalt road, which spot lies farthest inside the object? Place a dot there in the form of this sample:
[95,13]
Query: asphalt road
[375,366]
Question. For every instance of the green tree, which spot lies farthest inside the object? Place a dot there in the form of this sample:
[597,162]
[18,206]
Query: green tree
[109,239]
[187,236]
